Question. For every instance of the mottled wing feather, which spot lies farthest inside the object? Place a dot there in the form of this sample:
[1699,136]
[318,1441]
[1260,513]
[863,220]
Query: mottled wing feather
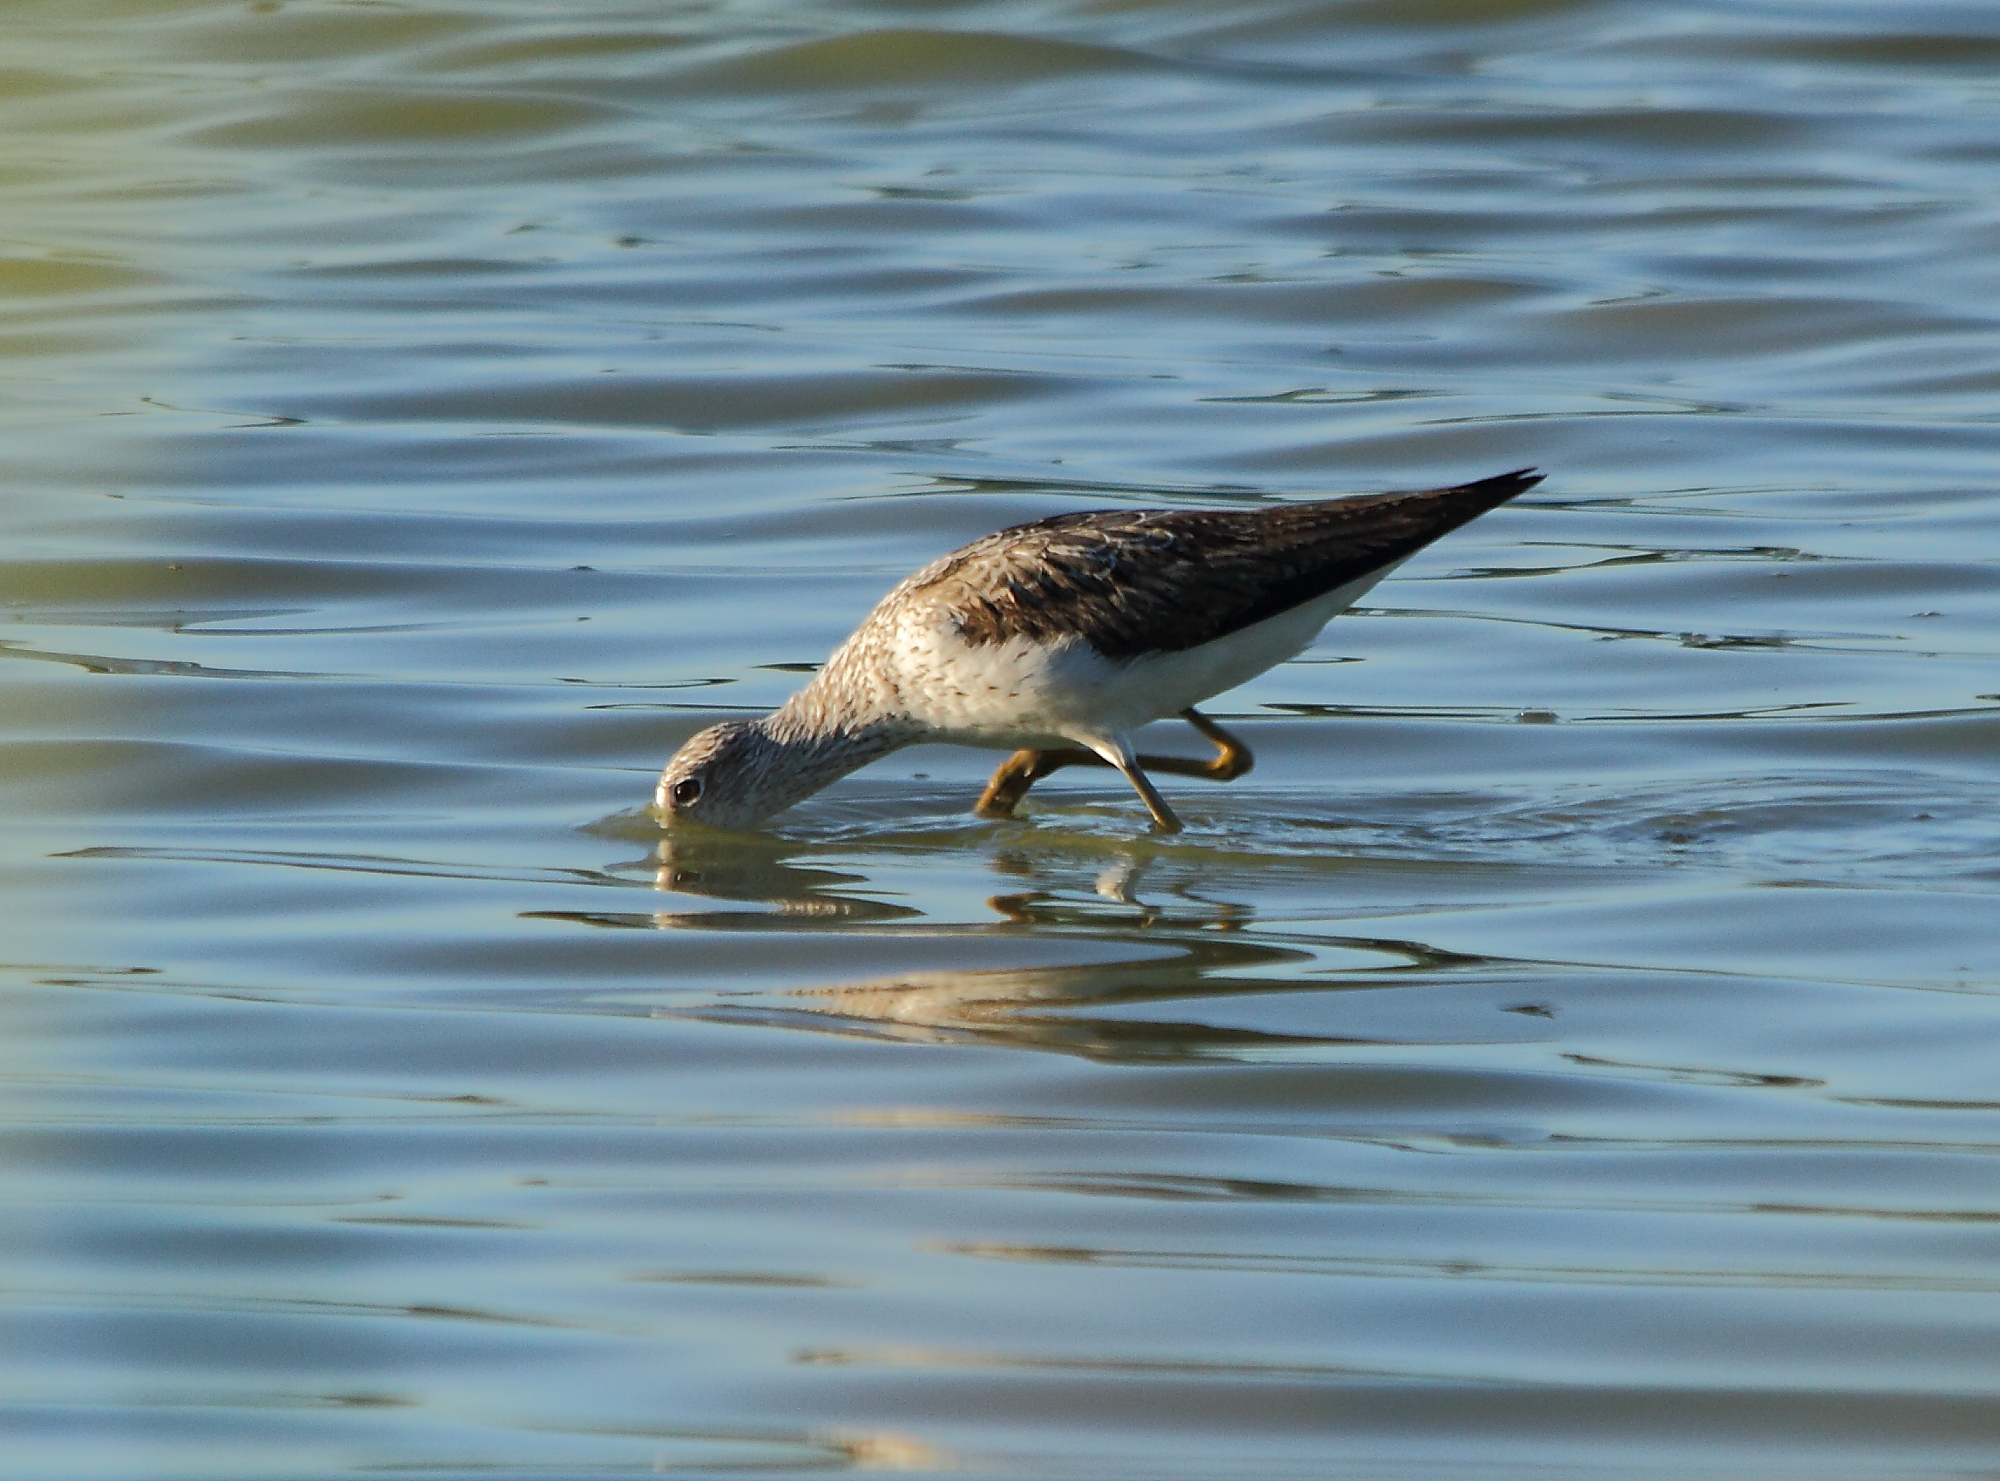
[1163,580]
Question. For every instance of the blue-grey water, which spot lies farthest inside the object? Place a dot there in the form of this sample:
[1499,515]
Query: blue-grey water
[1575,1050]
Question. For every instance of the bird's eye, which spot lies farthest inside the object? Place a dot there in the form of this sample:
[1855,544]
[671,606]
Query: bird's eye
[687,790]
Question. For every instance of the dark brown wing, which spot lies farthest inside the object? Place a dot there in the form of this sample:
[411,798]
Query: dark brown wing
[1162,580]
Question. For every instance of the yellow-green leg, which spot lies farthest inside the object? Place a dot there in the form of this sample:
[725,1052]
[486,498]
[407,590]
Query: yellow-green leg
[1023,769]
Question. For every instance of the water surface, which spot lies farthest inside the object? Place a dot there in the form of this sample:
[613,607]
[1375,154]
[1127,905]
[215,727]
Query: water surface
[1569,1053]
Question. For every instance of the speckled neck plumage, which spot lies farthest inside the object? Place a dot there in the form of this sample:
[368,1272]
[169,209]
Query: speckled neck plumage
[836,724]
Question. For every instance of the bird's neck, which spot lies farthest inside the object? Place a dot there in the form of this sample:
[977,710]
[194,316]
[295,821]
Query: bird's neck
[813,745]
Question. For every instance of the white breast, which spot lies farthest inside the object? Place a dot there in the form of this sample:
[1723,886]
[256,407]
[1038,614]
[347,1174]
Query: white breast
[1022,694]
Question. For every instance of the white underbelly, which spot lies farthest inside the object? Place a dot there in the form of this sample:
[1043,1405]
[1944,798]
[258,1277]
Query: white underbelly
[1033,695]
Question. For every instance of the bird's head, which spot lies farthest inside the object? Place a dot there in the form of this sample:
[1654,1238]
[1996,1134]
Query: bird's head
[725,777]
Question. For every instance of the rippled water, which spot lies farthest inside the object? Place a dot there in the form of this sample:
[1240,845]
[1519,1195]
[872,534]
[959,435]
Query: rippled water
[1570,1053]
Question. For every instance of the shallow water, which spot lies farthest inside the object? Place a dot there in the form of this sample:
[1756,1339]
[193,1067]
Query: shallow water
[1569,1053]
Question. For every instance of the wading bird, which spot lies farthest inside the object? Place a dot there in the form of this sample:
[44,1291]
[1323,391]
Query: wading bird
[1057,640]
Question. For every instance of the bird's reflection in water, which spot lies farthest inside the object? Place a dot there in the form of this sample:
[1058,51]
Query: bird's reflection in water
[1178,900]
[1132,934]
[743,870]
[758,871]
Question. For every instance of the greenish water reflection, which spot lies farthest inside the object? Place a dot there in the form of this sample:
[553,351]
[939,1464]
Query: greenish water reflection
[1569,1052]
